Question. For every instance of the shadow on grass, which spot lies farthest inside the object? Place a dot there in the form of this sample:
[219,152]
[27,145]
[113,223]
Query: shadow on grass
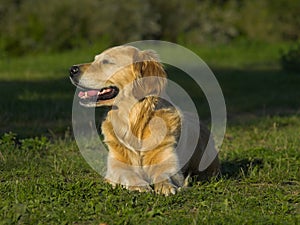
[31,108]
[237,168]
[260,92]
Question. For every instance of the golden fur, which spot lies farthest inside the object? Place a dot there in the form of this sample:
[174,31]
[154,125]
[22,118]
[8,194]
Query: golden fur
[141,130]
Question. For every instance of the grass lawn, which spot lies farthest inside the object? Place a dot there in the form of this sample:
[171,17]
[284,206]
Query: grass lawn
[45,180]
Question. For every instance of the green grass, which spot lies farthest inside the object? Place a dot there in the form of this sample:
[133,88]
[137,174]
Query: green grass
[45,180]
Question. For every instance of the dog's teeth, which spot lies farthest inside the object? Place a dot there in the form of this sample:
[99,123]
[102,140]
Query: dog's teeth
[84,95]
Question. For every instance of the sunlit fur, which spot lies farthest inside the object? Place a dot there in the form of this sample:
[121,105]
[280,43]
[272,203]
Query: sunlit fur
[141,130]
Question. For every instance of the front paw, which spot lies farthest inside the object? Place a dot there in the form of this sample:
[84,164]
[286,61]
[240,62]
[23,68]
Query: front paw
[132,185]
[144,188]
[165,188]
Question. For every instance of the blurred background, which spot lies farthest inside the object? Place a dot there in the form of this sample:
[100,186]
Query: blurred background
[57,25]
[252,47]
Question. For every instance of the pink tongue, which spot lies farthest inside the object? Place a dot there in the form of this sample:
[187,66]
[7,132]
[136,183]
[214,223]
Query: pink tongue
[90,93]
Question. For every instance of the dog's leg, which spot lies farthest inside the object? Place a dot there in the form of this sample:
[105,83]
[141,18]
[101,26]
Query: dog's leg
[130,177]
[166,176]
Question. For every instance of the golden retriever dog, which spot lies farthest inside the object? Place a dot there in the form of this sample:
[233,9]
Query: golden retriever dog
[141,130]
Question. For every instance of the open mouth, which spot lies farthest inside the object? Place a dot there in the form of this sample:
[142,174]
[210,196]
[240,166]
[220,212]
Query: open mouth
[92,96]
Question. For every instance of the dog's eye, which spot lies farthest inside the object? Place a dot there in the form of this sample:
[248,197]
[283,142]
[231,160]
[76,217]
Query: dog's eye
[105,61]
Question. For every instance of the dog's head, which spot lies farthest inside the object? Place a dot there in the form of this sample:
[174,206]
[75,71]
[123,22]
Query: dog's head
[114,69]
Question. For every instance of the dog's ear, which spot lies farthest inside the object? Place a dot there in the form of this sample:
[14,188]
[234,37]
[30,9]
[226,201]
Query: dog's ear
[151,76]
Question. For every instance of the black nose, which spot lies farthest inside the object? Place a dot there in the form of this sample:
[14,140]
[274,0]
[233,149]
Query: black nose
[74,70]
